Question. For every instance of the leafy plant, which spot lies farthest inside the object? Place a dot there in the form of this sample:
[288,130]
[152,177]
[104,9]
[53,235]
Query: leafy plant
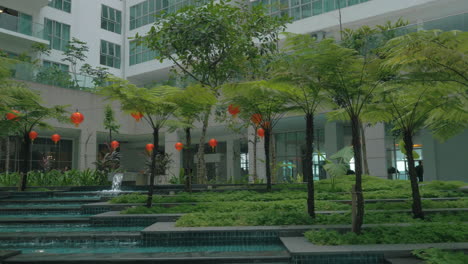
[439,256]
[75,52]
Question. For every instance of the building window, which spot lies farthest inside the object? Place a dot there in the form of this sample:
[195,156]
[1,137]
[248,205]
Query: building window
[144,12]
[57,33]
[60,66]
[300,9]
[140,53]
[64,5]
[111,19]
[110,54]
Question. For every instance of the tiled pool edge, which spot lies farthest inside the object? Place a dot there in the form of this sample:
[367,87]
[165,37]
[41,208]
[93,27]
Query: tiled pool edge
[114,218]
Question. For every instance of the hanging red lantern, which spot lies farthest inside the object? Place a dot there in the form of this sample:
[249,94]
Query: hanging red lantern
[233,110]
[213,143]
[261,132]
[179,146]
[266,125]
[55,138]
[33,135]
[11,116]
[115,144]
[256,119]
[77,118]
[137,116]
[149,147]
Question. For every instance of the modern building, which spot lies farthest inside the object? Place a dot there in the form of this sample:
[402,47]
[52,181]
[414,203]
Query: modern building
[107,27]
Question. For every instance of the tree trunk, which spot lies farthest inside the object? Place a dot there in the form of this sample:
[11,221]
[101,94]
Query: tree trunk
[308,164]
[417,207]
[187,161]
[266,145]
[254,172]
[149,201]
[7,155]
[110,136]
[364,151]
[358,219]
[201,166]
[26,158]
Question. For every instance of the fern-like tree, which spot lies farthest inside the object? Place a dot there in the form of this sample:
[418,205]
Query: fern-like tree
[32,115]
[268,105]
[153,103]
[192,103]
[350,80]
[296,77]
[110,124]
[210,44]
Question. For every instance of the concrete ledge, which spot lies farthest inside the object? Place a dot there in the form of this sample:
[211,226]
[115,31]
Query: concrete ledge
[114,218]
[44,220]
[4,254]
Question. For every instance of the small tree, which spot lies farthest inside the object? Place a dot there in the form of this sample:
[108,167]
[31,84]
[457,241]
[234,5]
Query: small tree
[268,105]
[74,53]
[31,115]
[192,103]
[99,74]
[211,44]
[109,122]
[296,78]
[153,103]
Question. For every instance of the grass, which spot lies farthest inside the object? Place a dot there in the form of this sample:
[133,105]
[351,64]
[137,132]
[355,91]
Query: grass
[417,233]
[438,256]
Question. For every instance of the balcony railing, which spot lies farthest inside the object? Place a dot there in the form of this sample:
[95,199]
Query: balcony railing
[22,24]
[51,76]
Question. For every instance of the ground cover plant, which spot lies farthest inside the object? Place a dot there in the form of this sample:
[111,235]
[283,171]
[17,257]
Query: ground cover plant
[56,178]
[438,256]
[415,233]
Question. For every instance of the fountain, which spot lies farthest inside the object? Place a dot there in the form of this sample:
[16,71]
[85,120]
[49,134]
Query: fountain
[116,183]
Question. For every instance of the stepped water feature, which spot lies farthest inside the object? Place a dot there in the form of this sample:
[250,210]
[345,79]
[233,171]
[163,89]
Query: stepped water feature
[116,183]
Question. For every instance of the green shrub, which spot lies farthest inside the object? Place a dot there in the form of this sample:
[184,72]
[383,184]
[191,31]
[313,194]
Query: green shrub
[56,178]
[416,233]
[438,256]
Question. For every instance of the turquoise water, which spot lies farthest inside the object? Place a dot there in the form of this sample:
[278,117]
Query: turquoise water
[39,205]
[94,197]
[46,214]
[135,249]
[67,228]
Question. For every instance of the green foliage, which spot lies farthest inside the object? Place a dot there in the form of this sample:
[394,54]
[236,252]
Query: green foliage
[56,178]
[99,74]
[415,233]
[54,76]
[74,53]
[110,124]
[438,256]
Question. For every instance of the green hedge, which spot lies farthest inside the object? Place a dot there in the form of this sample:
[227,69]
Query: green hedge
[438,256]
[56,178]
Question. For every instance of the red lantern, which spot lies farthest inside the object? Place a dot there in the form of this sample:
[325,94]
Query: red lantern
[137,116]
[33,135]
[115,144]
[55,138]
[233,110]
[256,119]
[261,132]
[11,116]
[77,118]
[149,147]
[266,124]
[179,146]
[213,143]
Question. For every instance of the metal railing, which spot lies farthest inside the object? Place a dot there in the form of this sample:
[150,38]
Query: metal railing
[22,24]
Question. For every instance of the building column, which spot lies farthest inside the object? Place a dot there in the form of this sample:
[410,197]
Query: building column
[232,159]
[87,148]
[176,156]
[376,151]
[261,169]
[333,137]
[429,156]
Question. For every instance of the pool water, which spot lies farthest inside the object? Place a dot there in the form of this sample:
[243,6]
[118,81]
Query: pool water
[86,197]
[137,249]
[67,228]
[45,214]
[39,205]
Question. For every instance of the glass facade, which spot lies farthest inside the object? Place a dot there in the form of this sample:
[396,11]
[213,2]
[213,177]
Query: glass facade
[111,19]
[64,5]
[290,154]
[140,53]
[144,12]
[57,33]
[60,66]
[43,150]
[300,9]
[110,54]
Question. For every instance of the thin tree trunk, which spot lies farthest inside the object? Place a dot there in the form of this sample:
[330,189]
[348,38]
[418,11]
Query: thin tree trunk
[254,172]
[149,202]
[7,153]
[201,166]
[358,218]
[364,151]
[187,161]
[273,167]
[308,164]
[26,165]
[266,144]
[417,206]
[110,136]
